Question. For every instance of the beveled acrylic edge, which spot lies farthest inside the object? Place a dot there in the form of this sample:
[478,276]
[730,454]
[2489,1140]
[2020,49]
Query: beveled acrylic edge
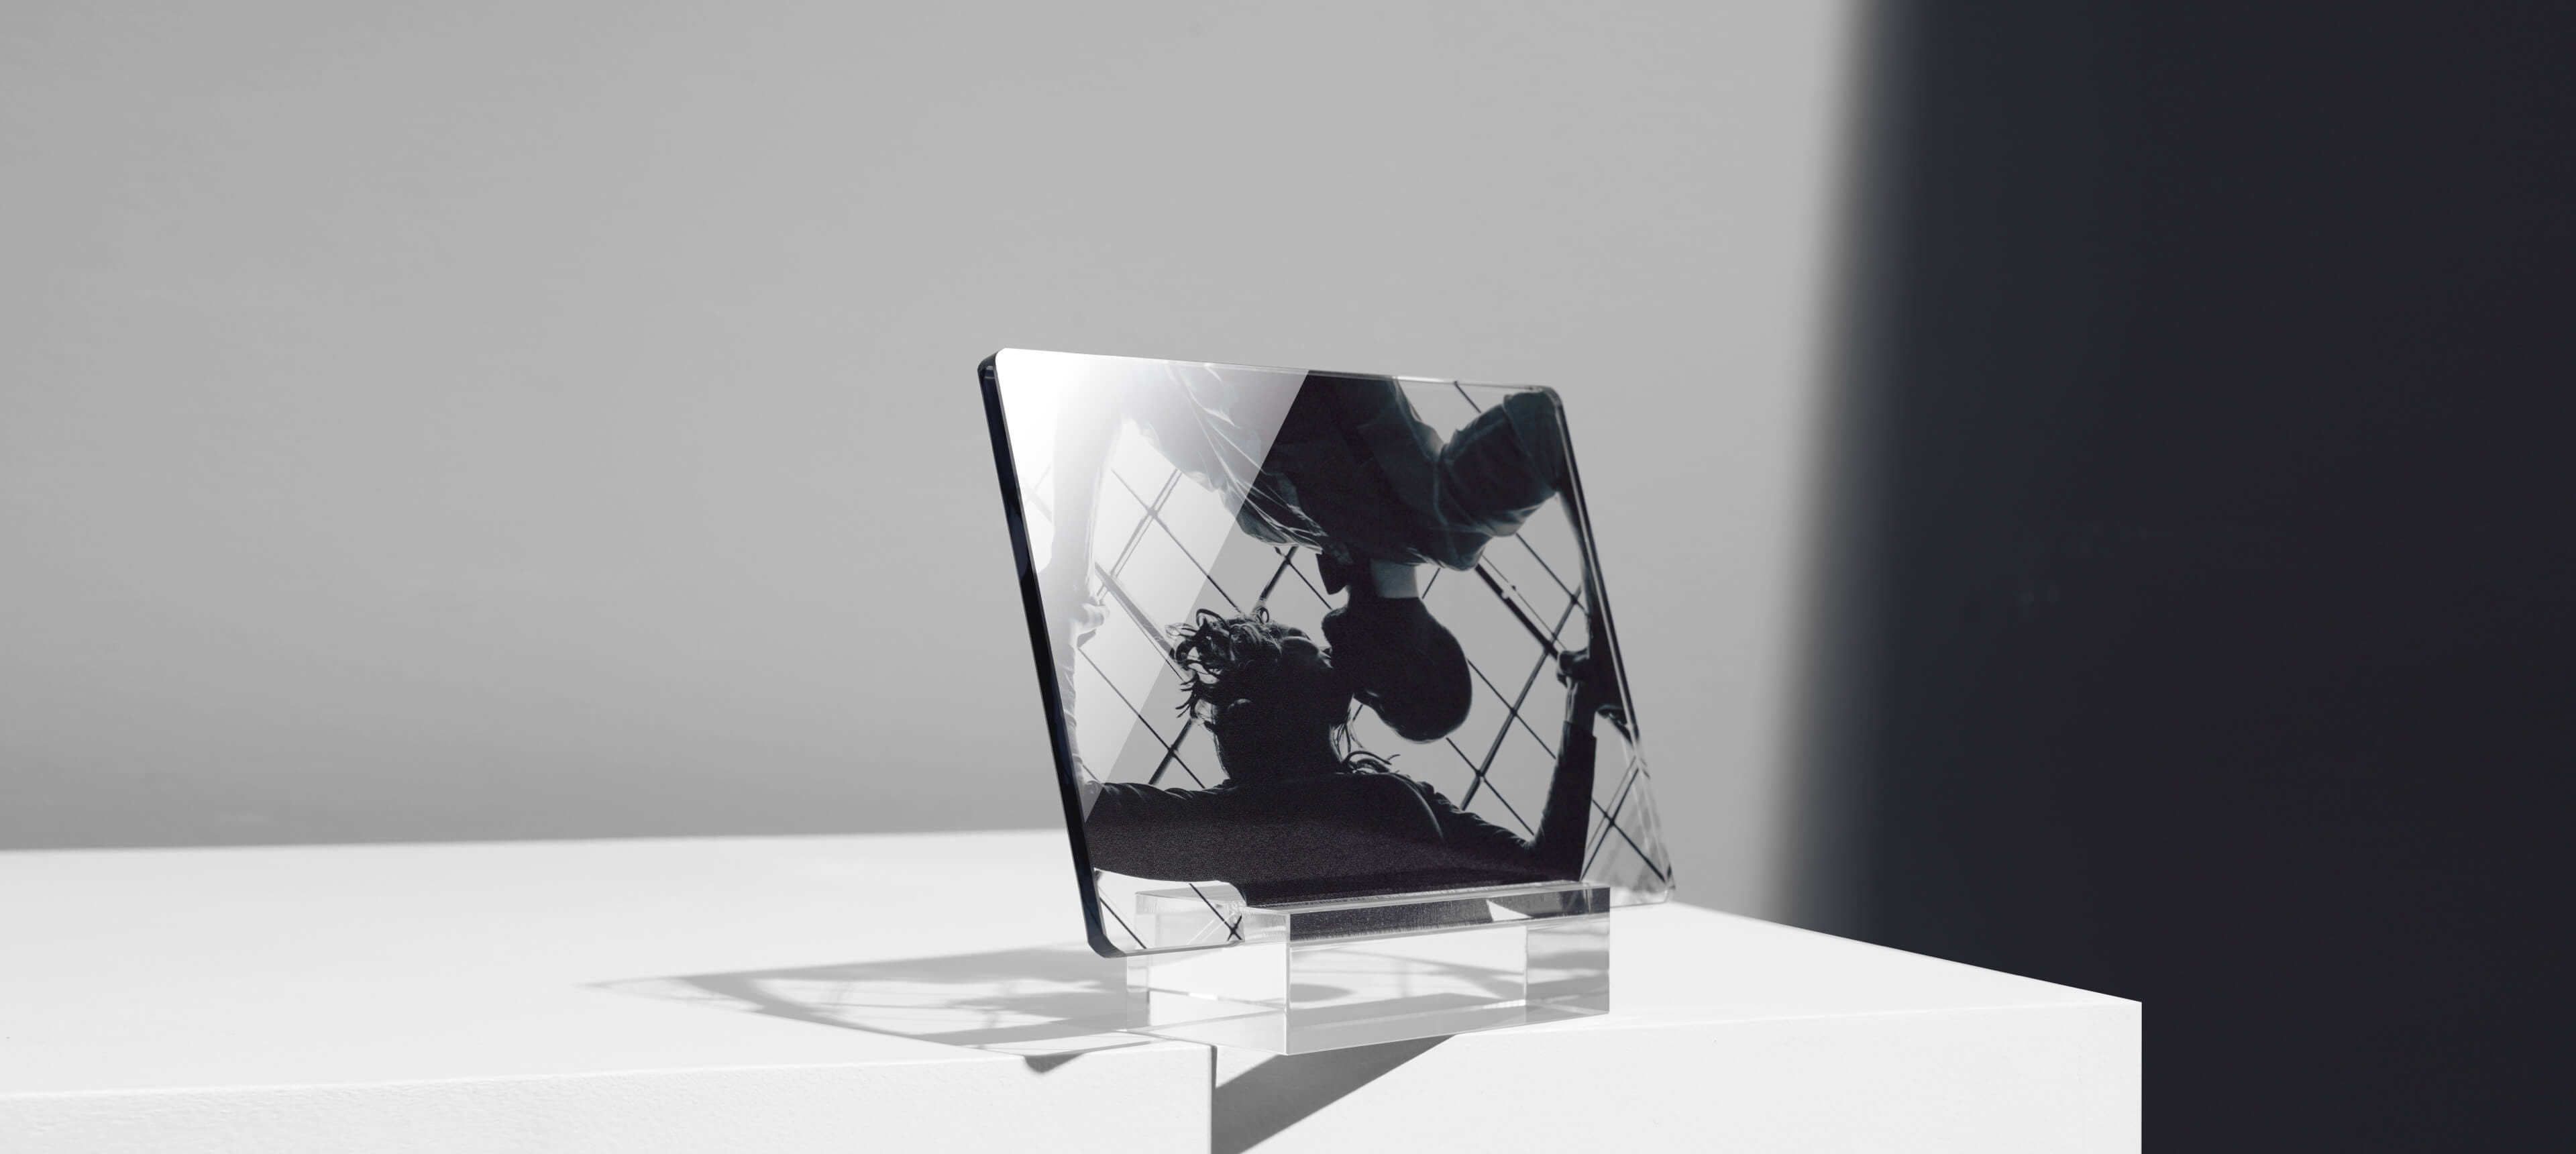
[1050,695]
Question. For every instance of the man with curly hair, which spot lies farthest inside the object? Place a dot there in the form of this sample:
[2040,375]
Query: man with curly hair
[1301,815]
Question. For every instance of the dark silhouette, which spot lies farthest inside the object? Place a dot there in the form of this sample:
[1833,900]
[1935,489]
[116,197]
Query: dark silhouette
[1357,476]
[1401,663]
[1300,816]
[1351,472]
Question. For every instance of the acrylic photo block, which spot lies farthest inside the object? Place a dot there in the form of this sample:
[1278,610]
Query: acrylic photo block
[1307,638]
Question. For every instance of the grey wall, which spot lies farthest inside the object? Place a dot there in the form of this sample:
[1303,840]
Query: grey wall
[504,420]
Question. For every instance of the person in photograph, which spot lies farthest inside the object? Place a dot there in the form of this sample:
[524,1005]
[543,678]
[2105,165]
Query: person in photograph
[1345,468]
[1356,475]
[1302,816]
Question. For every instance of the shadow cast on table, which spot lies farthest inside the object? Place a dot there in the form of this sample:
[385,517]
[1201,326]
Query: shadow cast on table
[1283,1090]
[1045,1005]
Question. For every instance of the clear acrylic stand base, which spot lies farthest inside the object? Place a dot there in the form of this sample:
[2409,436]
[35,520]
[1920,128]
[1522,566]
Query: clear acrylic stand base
[1309,976]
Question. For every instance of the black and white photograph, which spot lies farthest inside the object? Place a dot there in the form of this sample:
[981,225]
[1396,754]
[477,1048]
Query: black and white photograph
[1317,635]
[1777,575]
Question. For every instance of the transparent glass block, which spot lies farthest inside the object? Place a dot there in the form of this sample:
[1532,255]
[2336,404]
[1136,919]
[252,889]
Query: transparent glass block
[1295,978]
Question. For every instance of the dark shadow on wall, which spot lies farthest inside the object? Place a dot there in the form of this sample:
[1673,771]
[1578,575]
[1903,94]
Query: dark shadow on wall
[1047,1005]
[2199,625]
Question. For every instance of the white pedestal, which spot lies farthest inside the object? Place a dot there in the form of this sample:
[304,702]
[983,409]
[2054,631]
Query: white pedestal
[793,994]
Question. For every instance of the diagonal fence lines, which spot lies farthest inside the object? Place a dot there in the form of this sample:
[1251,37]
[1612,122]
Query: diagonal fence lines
[1608,826]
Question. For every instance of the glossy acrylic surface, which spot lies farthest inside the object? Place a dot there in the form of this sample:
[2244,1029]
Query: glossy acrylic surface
[1310,637]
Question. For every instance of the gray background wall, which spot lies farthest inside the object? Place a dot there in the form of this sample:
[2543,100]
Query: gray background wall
[501,420]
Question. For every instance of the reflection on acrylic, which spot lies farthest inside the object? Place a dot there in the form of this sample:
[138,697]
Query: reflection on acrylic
[1318,636]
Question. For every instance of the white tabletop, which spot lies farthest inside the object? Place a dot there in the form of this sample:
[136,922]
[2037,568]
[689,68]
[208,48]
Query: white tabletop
[874,992]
